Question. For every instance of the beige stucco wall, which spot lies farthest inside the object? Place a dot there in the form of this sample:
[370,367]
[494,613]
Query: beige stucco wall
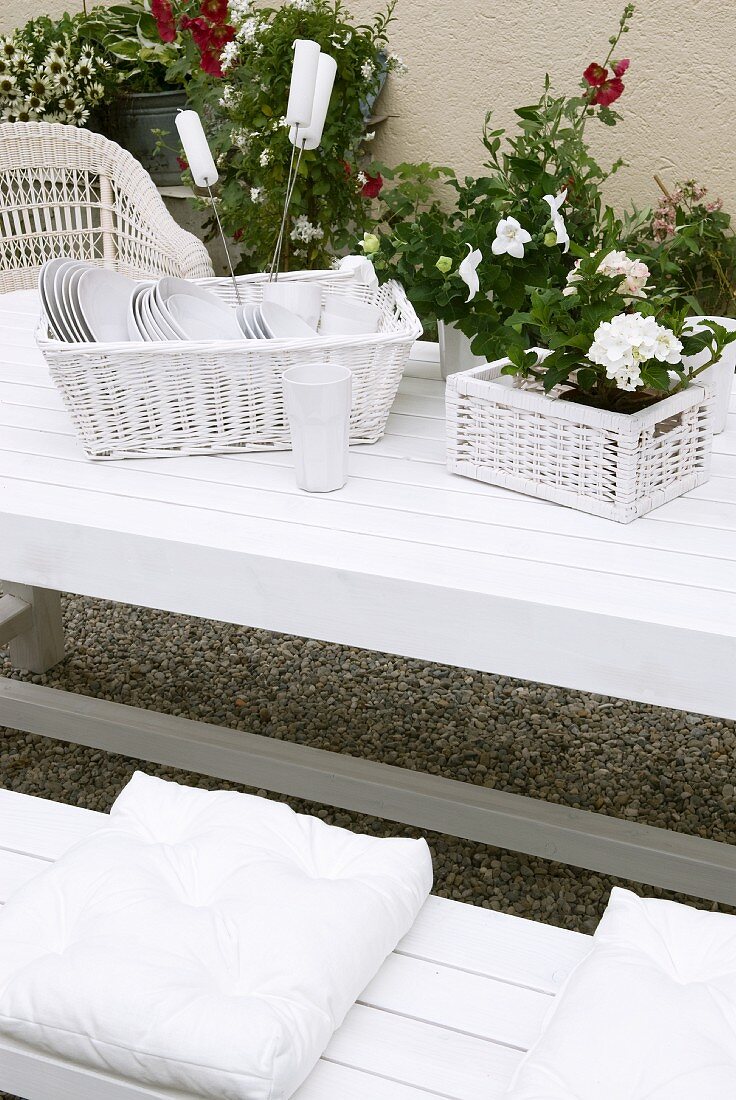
[469,55]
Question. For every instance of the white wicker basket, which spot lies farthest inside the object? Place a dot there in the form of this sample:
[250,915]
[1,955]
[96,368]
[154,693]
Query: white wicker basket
[611,464]
[133,400]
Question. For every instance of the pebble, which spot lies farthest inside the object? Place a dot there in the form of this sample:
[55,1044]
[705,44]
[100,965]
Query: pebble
[642,763]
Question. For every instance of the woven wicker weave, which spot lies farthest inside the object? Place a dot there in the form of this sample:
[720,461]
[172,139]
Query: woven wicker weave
[611,464]
[132,400]
[65,191]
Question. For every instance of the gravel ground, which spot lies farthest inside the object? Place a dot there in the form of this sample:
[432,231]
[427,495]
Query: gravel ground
[628,760]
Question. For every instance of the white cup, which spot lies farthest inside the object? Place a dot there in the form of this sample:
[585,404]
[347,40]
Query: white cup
[304,299]
[348,317]
[720,376]
[317,400]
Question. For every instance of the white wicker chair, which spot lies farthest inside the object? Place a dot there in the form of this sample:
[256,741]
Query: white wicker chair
[66,191]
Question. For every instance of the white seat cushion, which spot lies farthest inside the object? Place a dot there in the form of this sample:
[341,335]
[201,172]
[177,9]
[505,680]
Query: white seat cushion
[205,942]
[649,1014]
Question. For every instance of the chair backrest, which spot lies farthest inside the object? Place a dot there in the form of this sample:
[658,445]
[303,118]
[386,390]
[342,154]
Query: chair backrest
[65,191]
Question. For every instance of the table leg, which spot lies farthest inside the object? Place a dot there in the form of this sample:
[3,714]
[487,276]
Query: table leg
[39,643]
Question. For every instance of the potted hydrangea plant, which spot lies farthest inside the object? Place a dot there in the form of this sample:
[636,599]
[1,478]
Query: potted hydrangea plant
[608,416]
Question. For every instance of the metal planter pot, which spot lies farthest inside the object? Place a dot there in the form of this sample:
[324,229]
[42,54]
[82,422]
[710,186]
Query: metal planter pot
[133,121]
[455,353]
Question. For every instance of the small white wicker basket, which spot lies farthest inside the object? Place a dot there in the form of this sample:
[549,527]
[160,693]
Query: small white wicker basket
[137,400]
[614,465]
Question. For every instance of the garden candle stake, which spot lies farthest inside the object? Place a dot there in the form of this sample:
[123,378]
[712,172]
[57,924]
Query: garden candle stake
[312,80]
[303,81]
[203,168]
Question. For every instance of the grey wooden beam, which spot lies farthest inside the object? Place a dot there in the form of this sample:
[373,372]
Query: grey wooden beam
[40,645]
[675,861]
[16,617]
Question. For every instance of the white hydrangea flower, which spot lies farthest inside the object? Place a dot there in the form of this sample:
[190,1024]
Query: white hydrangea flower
[635,274]
[257,194]
[303,230]
[265,158]
[629,340]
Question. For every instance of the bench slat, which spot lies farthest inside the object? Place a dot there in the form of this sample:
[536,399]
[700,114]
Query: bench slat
[479,1006]
[457,1066]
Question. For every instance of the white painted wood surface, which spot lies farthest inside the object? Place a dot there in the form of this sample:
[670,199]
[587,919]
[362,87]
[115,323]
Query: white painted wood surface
[406,558]
[448,1015]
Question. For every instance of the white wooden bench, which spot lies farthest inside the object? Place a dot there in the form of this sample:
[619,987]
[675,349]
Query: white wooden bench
[449,1014]
[405,559]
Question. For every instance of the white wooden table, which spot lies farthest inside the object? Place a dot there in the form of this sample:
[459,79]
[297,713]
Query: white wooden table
[405,559]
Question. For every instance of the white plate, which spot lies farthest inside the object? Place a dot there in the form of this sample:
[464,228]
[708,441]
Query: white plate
[162,317]
[58,301]
[135,332]
[201,321]
[104,298]
[154,333]
[46,287]
[170,285]
[281,324]
[259,326]
[244,315]
[69,290]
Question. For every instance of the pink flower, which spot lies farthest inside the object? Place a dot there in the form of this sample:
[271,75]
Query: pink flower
[163,13]
[620,67]
[609,92]
[595,75]
[371,189]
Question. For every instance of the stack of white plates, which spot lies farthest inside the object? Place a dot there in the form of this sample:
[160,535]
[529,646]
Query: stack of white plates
[85,303]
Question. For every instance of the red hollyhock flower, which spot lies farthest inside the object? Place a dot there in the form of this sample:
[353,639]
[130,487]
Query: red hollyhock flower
[595,75]
[163,13]
[620,67]
[609,92]
[238,235]
[214,10]
[183,164]
[371,189]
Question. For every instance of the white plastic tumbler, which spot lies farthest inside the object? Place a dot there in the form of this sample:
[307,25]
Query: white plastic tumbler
[318,399]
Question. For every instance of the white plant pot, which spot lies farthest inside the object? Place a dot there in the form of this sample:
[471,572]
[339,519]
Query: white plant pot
[615,465]
[720,376]
[455,353]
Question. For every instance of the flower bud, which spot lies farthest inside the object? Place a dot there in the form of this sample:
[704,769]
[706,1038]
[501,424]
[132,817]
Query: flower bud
[550,239]
[444,264]
[370,244]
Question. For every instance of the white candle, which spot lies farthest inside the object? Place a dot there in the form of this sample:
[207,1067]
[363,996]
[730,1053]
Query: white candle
[197,151]
[303,80]
[309,137]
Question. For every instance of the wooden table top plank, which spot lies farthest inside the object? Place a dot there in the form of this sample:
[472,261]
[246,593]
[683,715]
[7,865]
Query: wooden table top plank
[669,563]
[20,449]
[62,514]
[403,533]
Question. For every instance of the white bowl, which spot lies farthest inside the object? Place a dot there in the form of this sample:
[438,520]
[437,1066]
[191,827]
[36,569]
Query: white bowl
[304,299]
[104,297]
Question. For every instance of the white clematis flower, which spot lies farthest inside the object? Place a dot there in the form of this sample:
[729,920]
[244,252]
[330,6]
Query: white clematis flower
[511,238]
[468,271]
[558,222]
